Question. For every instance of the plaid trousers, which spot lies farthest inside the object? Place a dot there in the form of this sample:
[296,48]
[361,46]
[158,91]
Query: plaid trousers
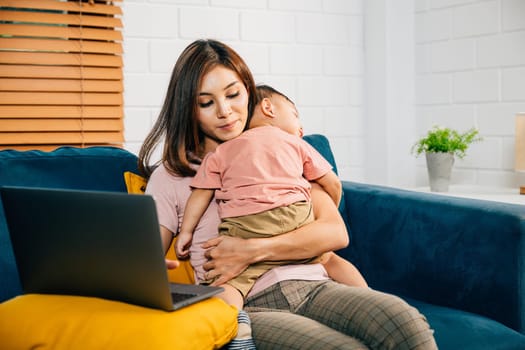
[328,315]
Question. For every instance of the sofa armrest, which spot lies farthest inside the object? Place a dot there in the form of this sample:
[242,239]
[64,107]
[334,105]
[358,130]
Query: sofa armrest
[461,253]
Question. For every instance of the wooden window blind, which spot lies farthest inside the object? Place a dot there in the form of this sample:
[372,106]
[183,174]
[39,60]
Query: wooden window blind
[61,78]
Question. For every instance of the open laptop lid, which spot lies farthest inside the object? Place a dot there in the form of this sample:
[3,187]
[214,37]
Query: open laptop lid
[89,243]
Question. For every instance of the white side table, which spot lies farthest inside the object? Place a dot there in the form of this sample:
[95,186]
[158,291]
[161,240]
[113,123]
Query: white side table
[498,194]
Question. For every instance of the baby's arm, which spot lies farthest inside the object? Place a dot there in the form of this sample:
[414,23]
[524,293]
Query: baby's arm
[195,208]
[332,185]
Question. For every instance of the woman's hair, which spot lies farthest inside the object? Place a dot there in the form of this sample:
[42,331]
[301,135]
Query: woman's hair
[177,121]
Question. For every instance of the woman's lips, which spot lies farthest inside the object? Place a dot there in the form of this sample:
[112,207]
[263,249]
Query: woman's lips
[228,126]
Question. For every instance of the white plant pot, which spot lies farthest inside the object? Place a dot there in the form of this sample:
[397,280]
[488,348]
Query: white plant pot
[439,166]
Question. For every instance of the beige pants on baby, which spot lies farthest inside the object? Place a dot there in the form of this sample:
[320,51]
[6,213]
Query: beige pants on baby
[261,225]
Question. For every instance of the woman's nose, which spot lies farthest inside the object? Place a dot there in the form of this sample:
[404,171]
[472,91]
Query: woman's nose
[223,110]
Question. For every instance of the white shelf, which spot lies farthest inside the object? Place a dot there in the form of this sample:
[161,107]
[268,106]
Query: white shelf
[505,195]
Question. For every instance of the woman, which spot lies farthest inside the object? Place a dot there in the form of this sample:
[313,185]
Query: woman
[209,99]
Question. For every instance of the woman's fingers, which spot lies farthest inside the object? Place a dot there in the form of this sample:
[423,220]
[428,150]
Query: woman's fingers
[211,242]
[171,264]
[226,258]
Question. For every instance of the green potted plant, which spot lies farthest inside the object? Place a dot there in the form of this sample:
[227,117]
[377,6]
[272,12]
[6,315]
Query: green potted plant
[440,145]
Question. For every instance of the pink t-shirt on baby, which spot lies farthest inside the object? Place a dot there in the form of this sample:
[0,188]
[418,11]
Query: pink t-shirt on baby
[261,169]
[171,194]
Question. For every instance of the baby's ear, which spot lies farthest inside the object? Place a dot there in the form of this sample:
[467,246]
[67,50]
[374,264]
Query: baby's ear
[267,107]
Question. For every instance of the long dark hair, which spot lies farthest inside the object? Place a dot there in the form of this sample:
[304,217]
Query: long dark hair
[177,121]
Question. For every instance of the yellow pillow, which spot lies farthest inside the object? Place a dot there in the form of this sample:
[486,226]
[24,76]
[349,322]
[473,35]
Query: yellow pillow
[136,184]
[38,321]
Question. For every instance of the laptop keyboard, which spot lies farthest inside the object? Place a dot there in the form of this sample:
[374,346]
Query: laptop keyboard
[176,297]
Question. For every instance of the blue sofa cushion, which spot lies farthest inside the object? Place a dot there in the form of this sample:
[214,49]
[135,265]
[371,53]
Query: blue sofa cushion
[455,329]
[66,167]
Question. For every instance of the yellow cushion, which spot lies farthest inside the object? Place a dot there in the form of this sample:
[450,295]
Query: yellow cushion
[182,274]
[37,321]
[136,184]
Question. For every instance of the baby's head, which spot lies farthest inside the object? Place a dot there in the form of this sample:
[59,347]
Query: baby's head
[274,108]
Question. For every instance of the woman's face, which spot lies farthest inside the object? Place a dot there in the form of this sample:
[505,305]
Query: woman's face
[222,105]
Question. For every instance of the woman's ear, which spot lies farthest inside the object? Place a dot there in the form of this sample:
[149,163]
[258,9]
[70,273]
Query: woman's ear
[267,107]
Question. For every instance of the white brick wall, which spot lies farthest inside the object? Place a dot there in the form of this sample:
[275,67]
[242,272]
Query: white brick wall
[475,19]
[470,71]
[312,50]
[469,64]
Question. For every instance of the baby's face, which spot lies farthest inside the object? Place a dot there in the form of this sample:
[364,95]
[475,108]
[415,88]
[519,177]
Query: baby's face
[286,116]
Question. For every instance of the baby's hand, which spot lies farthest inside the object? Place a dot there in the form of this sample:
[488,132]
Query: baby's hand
[182,246]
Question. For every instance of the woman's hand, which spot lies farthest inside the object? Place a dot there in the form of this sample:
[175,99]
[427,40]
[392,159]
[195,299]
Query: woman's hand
[227,257]
[171,264]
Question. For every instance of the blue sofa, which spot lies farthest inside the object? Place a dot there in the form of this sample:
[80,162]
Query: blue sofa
[459,261]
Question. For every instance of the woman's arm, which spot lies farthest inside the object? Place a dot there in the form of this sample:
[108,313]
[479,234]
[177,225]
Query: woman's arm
[166,237]
[230,256]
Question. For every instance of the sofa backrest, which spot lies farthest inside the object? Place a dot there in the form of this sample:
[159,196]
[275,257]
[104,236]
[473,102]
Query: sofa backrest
[321,144]
[95,168]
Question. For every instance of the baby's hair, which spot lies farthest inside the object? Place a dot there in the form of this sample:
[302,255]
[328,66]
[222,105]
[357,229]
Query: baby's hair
[266,91]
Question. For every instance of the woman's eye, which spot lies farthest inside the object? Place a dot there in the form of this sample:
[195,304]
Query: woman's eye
[233,95]
[205,104]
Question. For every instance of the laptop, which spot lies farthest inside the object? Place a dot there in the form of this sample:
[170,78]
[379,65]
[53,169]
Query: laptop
[92,243]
